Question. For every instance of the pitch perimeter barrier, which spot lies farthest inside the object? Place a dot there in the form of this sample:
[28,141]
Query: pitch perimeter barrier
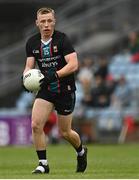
[15,130]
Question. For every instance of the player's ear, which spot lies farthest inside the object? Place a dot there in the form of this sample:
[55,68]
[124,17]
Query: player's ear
[54,21]
[36,22]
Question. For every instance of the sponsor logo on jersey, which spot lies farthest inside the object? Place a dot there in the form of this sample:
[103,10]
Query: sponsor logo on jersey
[46,51]
[35,51]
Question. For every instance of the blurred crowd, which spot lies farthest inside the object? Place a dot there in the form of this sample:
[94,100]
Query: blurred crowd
[98,86]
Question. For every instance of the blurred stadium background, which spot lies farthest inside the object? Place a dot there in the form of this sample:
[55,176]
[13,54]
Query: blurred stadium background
[105,35]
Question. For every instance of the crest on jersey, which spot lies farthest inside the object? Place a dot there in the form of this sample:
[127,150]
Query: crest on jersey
[55,48]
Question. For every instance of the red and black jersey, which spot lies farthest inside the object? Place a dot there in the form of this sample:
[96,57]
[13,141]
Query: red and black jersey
[50,57]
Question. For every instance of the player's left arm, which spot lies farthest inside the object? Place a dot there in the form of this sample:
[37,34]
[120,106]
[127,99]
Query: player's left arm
[70,67]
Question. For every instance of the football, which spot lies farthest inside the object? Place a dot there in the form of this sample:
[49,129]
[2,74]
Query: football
[31,79]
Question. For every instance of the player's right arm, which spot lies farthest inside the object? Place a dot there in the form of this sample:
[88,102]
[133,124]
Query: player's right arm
[30,64]
[30,61]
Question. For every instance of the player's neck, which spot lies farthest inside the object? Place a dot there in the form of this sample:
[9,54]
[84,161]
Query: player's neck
[45,37]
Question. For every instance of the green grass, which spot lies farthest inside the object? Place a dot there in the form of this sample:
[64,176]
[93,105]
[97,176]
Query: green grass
[104,161]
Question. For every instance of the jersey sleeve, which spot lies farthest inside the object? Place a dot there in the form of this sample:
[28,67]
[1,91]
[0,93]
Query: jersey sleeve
[67,46]
[29,52]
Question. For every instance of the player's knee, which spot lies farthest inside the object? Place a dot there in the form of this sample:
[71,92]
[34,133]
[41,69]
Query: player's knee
[36,127]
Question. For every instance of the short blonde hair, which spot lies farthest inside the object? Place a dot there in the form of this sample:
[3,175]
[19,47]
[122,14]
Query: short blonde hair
[45,10]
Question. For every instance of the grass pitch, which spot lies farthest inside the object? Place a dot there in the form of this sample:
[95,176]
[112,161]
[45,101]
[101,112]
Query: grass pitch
[104,161]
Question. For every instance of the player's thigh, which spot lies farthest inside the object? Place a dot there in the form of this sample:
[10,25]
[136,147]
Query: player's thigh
[64,122]
[41,111]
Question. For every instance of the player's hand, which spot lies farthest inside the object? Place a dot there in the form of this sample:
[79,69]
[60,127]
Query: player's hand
[24,88]
[49,78]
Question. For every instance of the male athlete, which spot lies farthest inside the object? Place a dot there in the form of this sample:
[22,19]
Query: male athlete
[57,60]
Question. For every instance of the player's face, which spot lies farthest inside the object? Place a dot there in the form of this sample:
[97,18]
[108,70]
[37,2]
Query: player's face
[46,24]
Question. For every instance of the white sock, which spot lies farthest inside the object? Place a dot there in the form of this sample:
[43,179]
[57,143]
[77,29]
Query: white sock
[44,161]
[81,152]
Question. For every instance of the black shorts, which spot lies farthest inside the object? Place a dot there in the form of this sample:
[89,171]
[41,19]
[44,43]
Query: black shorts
[64,103]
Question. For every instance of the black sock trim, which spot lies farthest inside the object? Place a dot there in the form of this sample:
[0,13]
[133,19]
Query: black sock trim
[79,149]
[41,154]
